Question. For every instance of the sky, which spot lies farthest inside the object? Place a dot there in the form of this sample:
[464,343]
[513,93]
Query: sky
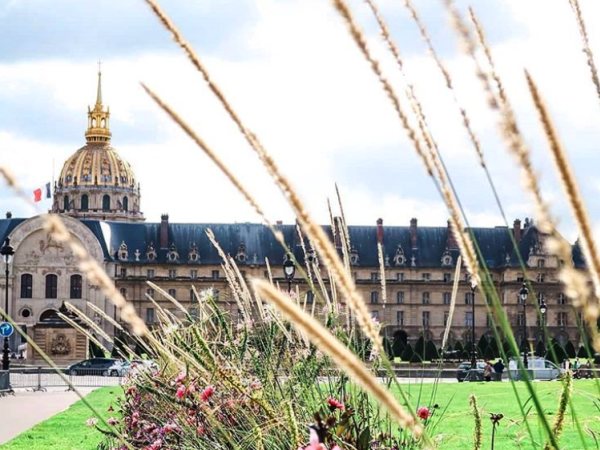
[294,75]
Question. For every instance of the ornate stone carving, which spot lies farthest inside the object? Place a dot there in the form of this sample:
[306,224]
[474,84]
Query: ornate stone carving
[60,345]
[399,258]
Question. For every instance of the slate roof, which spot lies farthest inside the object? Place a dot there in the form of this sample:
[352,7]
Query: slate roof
[495,243]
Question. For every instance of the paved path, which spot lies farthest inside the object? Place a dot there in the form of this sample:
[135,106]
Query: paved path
[25,409]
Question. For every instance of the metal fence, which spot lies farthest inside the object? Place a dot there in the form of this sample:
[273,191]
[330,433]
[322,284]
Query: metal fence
[41,378]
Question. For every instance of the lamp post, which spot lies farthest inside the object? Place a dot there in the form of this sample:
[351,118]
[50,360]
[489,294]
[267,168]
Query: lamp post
[7,252]
[288,270]
[523,294]
[473,348]
[543,310]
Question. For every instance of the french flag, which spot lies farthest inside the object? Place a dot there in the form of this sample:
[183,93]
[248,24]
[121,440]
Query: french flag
[37,193]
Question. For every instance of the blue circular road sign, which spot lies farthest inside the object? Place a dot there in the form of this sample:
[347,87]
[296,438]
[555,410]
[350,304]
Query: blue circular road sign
[6,329]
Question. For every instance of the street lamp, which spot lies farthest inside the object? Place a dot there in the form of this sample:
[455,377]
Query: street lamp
[288,270]
[473,351]
[523,294]
[543,310]
[7,251]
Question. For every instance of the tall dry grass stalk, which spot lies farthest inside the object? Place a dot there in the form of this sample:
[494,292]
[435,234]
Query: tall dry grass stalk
[89,322]
[586,45]
[477,430]
[343,357]
[590,310]
[559,418]
[382,273]
[452,301]
[85,332]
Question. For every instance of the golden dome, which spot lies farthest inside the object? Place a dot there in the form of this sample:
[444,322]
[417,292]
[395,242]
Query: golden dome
[96,164]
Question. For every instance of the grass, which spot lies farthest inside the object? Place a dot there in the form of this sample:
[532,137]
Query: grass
[455,429]
[67,430]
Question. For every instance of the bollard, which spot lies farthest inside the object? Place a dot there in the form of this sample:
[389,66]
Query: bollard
[39,387]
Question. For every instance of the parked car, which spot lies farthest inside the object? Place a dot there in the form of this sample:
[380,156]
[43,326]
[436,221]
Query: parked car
[538,368]
[465,373]
[138,364]
[97,366]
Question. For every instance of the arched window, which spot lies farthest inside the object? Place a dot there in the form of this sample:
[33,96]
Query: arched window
[106,203]
[76,286]
[125,204]
[51,286]
[26,286]
[66,203]
[85,202]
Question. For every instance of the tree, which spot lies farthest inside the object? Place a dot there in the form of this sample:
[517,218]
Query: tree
[407,353]
[570,349]
[540,349]
[458,348]
[398,346]
[420,347]
[556,353]
[507,349]
[388,348]
[489,353]
[493,349]
[431,351]
[583,353]
[482,345]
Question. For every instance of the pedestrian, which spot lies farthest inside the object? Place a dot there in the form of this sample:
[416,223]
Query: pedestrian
[498,369]
[576,364]
[487,371]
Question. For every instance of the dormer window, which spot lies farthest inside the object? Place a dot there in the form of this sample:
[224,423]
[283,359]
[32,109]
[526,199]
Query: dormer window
[123,253]
[399,258]
[446,259]
[354,258]
[193,255]
[172,255]
[150,252]
[240,256]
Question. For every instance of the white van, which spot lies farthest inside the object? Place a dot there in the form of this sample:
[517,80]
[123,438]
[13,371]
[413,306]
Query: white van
[538,368]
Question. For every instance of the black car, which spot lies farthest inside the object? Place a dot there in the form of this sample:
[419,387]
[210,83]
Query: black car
[464,371]
[96,366]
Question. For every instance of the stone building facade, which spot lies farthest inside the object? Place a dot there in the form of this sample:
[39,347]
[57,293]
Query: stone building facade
[98,196]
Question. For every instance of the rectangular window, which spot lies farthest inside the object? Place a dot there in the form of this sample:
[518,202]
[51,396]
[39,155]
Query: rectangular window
[468,298]
[26,285]
[375,314]
[400,297]
[489,322]
[123,272]
[51,286]
[520,319]
[426,276]
[374,297]
[172,273]
[216,294]
[400,318]
[149,316]
[468,319]
[540,277]
[215,274]
[194,274]
[446,297]
[266,274]
[192,295]
[374,276]
[425,298]
[561,299]
[150,293]
[520,278]
[561,319]
[446,316]
[425,315]
[173,293]
[541,263]
[123,292]
[150,273]
[447,277]
[310,297]
[76,286]
[399,276]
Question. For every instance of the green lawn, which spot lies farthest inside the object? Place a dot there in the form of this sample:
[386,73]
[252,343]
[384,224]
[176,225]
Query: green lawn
[67,430]
[454,428]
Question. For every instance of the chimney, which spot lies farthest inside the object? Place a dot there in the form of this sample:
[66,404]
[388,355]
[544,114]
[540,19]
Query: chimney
[380,231]
[337,231]
[164,231]
[279,222]
[451,239]
[8,215]
[413,233]
[517,230]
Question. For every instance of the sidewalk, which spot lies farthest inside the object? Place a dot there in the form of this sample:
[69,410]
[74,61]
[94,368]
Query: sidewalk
[25,409]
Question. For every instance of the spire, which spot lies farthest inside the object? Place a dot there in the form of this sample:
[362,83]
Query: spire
[99,94]
[98,129]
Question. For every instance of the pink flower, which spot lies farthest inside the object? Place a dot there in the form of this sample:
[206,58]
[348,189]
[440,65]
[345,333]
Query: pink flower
[180,392]
[335,404]
[170,427]
[315,444]
[423,412]
[207,393]
[112,421]
[180,378]
[156,445]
